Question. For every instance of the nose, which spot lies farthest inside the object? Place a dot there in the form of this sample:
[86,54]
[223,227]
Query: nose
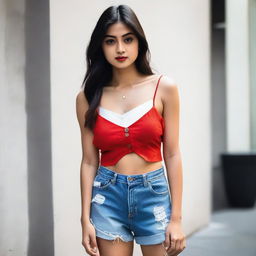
[120,48]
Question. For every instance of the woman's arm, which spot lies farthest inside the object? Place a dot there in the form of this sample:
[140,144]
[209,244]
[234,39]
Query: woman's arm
[88,168]
[90,158]
[172,159]
[171,150]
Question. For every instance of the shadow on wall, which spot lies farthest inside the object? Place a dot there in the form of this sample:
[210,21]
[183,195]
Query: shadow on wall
[37,75]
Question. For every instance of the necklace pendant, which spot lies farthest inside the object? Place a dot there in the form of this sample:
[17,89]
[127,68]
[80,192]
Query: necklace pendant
[123,96]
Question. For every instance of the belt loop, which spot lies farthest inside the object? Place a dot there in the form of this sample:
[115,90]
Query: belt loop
[113,180]
[145,183]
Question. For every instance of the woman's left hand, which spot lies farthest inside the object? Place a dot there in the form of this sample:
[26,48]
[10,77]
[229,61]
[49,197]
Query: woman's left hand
[175,241]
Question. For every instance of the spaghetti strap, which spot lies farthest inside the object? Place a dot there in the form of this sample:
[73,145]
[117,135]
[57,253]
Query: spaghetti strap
[156,89]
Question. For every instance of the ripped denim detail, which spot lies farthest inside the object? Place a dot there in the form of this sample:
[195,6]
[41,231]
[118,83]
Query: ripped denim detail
[116,238]
[161,217]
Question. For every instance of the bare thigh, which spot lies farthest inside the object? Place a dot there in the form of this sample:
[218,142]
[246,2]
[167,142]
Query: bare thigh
[153,250]
[114,247]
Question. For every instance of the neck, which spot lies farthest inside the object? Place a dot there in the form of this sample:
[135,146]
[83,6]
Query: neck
[126,77]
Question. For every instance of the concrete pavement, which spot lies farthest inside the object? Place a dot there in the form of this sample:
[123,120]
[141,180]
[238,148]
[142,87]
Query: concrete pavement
[232,232]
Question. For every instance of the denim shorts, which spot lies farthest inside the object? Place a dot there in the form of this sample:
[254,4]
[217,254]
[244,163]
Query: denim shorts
[131,207]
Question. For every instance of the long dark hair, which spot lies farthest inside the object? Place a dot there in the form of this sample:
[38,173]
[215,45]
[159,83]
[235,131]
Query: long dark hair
[99,71]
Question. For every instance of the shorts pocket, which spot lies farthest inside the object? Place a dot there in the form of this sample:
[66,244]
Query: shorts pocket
[101,182]
[159,186]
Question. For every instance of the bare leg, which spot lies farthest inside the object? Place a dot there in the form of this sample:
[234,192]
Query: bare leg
[114,247]
[153,250]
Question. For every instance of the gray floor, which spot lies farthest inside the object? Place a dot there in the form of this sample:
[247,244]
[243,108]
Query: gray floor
[231,232]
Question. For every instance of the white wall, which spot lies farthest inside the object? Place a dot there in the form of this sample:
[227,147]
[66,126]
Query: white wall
[13,150]
[238,85]
[26,221]
[179,40]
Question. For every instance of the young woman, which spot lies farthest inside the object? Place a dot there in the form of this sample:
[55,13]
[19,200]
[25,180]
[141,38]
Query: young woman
[125,113]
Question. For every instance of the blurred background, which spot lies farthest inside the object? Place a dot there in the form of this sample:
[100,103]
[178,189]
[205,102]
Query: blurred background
[207,47]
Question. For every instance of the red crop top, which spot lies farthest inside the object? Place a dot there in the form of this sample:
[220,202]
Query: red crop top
[143,137]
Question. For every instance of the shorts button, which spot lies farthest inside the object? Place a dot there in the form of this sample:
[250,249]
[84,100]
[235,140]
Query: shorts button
[130,178]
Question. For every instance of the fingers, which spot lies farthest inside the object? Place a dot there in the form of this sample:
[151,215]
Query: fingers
[177,245]
[90,246]
[172,249]
[94,246]
[183,245]
[167,241]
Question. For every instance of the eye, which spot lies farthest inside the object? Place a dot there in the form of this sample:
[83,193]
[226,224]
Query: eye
[109,41]
[128,39]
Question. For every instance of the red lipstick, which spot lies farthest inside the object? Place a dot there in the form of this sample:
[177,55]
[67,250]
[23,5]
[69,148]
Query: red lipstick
[121,58]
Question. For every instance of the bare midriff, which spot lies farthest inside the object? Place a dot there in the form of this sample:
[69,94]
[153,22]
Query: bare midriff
[133,164]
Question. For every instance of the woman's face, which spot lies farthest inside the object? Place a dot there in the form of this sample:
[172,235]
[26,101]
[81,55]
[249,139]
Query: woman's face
[119,41]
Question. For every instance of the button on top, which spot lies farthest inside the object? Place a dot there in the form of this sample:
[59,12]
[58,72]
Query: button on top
[126,129]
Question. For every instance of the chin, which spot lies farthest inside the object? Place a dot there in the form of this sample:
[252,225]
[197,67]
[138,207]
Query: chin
[121,66]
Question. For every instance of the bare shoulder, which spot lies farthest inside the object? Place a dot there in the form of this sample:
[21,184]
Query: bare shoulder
[169,88]
[167,82]
[81,107]
[81,99]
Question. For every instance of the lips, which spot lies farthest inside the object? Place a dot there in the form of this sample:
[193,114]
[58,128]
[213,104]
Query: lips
[121,58]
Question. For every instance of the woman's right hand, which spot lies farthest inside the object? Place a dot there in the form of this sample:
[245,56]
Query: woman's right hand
[89,239]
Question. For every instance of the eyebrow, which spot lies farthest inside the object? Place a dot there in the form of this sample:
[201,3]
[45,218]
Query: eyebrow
[130,33]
